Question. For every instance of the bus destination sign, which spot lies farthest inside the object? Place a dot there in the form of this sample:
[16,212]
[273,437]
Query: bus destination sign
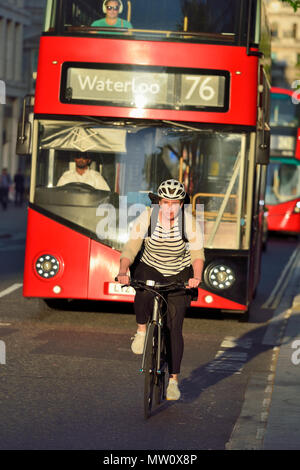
[167,89]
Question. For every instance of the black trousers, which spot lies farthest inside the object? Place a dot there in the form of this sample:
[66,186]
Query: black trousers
[178,302]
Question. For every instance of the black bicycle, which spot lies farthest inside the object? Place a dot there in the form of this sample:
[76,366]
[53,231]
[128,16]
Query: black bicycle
[154,362]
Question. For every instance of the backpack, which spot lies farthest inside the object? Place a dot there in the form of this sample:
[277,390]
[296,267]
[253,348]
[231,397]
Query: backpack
[154,217]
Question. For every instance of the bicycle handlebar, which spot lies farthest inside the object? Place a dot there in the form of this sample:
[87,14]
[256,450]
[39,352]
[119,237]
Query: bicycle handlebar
[158,286]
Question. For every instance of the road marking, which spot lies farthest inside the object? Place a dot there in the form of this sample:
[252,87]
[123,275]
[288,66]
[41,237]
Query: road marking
[274,298]
[250,427]
[232,342]
[276,327]
[10,289]
[228,359]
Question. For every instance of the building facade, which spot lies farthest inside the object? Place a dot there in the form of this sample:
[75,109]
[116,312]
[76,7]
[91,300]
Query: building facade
[31,40]
[285,29]
[13,19]
[20,28]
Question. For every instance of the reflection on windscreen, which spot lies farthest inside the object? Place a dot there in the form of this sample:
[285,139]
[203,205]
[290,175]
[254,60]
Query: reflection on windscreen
[204,16]
[283,183]
[81,166]
[283,111]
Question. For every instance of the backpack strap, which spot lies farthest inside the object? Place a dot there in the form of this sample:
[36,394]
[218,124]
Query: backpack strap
[181,220]
[153,219]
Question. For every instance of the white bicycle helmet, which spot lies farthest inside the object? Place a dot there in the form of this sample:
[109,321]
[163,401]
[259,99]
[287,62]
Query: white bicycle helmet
[171,189]
[106,1]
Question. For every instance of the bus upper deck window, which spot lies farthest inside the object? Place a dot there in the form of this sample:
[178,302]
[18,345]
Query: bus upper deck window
[112,9]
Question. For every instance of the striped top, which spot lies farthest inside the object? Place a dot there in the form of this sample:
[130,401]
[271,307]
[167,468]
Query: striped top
[166,251]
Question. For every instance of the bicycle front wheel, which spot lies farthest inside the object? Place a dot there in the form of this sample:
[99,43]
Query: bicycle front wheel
[159,387]
[150,367]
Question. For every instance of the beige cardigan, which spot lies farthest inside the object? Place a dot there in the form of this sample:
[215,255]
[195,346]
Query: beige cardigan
[139,231]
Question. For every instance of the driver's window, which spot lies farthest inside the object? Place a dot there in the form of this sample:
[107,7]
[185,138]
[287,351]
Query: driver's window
[50,167]
[56,168]
[64,161]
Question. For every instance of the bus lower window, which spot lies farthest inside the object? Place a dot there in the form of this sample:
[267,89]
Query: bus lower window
[283,183]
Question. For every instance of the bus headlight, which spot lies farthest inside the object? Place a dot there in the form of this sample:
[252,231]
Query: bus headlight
[219,276]
[297,208]
[47,266]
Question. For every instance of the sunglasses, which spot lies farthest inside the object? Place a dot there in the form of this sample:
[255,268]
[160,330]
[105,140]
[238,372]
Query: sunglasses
[113,8]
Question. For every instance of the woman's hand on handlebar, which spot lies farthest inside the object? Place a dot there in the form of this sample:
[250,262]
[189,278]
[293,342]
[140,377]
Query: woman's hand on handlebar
[123,278]
[193,282]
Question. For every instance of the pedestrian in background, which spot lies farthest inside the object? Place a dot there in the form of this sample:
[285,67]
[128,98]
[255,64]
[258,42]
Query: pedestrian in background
[5,183]
[19,188]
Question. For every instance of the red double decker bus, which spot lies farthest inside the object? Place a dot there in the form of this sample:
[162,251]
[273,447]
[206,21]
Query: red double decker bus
[180,93]
[283,180]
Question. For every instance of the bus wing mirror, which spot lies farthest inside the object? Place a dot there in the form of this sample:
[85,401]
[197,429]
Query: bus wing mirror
[23,144]
[263,148]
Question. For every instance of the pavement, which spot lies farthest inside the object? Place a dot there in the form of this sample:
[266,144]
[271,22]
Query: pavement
[273,402]
[270,415]
[13,220]
[282,430]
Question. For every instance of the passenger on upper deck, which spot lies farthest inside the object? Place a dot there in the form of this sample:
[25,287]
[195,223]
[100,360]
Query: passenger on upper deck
[112,8]
[83,174]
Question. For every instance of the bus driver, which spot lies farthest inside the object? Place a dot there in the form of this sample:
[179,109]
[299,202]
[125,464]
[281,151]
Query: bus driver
[83,174]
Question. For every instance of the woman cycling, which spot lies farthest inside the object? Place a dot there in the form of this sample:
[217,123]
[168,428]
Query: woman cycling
[167,253]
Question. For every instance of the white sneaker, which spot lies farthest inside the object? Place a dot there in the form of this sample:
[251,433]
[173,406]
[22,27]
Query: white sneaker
[137,345]
[173,392]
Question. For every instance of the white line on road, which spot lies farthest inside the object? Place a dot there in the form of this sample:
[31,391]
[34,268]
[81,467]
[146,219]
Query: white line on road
[10,289]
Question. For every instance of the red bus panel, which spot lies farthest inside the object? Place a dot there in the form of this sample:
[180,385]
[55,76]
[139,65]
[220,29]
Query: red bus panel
[71,249]
[283,217]
[86,267]
[241,67]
